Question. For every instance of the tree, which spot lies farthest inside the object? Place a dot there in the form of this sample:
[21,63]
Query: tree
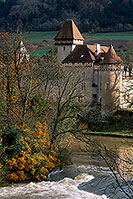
[62,91]
[20,85]
[128,60]
[66,109]
[34,88]
[17,88]
[18,82]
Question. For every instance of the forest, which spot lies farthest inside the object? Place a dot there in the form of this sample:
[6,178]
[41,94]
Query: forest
[43,15]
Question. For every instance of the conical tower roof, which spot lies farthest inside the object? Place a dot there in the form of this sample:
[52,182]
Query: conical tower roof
[111,57]
[69,31]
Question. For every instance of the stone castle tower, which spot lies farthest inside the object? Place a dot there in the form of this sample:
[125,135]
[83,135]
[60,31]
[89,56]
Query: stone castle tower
[109,76]
[67,39]
[99,67]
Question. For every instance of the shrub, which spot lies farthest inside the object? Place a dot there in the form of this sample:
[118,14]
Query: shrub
[10,141]
[118,121]
[37,157]
[94,119]
[121,120]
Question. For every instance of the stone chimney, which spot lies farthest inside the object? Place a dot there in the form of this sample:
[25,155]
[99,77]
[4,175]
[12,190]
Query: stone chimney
[97,49]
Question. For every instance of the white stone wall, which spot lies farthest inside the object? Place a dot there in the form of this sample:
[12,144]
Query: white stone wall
[126,99]
[78,42]
[63,51]
[64,48]
[82,73]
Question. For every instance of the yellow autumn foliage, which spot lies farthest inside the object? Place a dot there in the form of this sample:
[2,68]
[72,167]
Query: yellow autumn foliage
[37,157]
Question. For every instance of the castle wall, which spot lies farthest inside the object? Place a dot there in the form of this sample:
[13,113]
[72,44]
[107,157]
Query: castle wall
[87,78]
[63,51]
[102,84]
[96,91]
[110,89]
[108,77]
[83,73]
[126,97]
[64,48]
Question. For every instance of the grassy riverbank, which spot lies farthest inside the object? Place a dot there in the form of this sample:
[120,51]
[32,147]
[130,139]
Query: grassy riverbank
[127,134]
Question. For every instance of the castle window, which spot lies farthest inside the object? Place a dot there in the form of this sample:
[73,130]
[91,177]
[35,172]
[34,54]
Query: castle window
[94,85]
[94,98]
[107,86]
[64,48]
[83,86]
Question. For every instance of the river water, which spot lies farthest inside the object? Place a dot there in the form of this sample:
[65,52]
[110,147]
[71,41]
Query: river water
[86,178]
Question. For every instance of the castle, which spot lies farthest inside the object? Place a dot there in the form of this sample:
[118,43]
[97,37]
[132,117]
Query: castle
[101,69]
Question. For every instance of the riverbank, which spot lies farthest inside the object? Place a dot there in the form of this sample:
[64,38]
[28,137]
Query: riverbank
[123,134]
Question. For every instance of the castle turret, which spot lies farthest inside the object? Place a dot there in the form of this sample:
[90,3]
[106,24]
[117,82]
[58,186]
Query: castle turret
[111,57]
[67,38]
[111,75]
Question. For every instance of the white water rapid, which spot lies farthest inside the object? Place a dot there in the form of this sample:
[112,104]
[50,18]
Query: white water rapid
[63,189]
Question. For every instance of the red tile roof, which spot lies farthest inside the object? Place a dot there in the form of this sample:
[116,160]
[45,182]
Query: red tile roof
[103,49]
[111,57]
[69,31]
[81,54]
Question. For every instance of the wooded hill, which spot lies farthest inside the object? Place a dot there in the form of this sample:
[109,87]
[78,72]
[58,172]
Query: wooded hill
[46,15]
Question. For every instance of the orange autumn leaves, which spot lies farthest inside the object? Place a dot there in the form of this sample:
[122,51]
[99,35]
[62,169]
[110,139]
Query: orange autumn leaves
[37,157]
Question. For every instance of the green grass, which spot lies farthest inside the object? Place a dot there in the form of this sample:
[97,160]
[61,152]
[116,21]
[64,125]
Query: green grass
[38,37]
[41,52]
[112,36]
[108,133]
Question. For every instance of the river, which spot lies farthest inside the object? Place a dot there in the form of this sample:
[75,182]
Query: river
[86,178]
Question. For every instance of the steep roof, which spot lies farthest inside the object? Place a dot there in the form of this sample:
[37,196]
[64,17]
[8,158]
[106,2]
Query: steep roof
[81,54]
[111,57]
[69,31]
[103,49]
